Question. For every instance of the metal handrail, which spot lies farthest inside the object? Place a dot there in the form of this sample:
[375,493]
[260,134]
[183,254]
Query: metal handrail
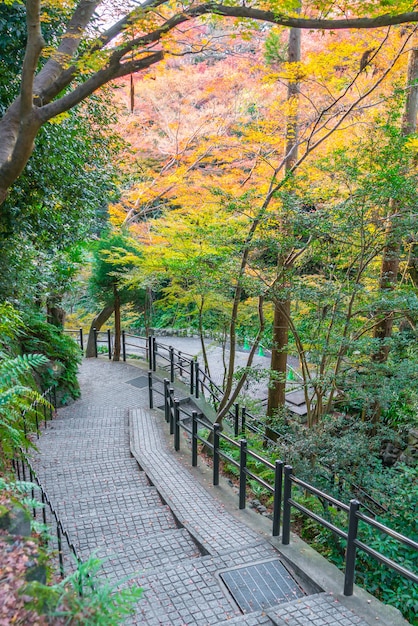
[282,491]
[196,376]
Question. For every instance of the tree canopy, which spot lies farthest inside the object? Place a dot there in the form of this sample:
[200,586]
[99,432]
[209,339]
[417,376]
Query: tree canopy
[95,42]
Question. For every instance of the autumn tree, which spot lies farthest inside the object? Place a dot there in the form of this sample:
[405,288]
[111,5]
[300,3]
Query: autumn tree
[90,50]
[244,159]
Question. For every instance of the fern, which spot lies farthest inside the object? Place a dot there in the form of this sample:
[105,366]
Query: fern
[12,368]
[17,399]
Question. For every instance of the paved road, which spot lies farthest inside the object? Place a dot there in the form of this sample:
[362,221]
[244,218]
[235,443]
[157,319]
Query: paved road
[152,520]
[257,384]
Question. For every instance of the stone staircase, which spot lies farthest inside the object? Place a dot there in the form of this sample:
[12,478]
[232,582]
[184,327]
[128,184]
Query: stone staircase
[175,541]
[103,498]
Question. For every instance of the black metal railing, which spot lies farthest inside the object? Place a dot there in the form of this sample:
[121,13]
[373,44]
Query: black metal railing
[282,480]
[77,334]
[187,369]
[42,410]
[57,534]
[238,417]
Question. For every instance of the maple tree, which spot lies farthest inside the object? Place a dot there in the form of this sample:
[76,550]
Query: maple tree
[97,42]
[193,159]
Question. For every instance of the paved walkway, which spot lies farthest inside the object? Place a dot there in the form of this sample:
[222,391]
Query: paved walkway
[150,519]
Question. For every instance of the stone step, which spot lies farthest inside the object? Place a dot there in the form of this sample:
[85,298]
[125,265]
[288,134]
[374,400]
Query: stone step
[78,420]
[319,608]
[52,467]
[89,533]
[136,556]
[85,486]
[65,447]
[258,618]
[131,498]
[188,593]
[91,431]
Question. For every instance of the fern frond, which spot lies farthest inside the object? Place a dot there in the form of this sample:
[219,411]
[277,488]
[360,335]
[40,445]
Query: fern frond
[11,369]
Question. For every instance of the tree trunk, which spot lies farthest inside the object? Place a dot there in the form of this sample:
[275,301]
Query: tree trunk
[97,323]
[391,253]
[278,365]
[55,314]
[116,301]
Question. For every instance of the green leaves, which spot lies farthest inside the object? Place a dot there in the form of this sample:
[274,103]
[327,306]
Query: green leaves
[84,598]
[12,369]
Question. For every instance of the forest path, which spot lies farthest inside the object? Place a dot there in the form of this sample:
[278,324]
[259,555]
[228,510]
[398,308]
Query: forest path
[154,522]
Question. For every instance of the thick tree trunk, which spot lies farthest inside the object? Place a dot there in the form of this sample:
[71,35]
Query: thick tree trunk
[278,365]
[116,300]
[97,323]
[55,314]
[391,253]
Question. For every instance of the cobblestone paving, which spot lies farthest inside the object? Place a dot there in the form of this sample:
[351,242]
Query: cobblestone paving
[110,506]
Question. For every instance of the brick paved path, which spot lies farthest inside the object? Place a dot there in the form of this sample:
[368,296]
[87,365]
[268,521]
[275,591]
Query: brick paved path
[157,523]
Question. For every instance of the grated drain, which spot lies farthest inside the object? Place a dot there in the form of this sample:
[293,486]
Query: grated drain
[140,382]
[260,586]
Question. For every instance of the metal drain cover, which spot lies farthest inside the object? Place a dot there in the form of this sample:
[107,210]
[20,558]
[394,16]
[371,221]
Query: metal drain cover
[140,382]
[258,587]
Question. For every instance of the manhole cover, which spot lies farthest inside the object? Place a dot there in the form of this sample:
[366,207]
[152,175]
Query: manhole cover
[140,382]
[258,587]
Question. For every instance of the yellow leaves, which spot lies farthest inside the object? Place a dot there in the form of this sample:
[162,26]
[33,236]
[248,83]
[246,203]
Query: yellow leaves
[117,214]
[93,62]
[412,144]
[58,119]
[294,72]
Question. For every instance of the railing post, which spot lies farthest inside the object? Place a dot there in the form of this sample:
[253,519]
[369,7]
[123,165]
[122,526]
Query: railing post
[150,351]
[60,558]
[236,419]
[191,377]
[51,412]
[243,414]
[242,473]
[81,340]
[180,363]
[166,400]
[151,398]
[123,346]
[43,509]
[176,425]
[32,492]
[171,392]
[154,355]
[287,494]
[109,344]
[171,352]
[277,504]
[350,555]
[95,341]
[216,429]
[194,438]
[196,390]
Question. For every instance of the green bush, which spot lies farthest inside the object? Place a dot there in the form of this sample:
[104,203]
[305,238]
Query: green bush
[62,352]
[84,598]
